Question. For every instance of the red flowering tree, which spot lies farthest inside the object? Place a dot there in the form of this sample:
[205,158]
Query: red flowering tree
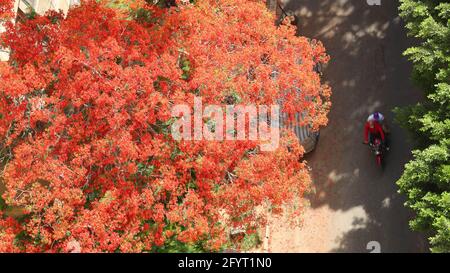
[6,10]
[85,125]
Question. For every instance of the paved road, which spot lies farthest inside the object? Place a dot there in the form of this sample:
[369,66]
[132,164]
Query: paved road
[354,201]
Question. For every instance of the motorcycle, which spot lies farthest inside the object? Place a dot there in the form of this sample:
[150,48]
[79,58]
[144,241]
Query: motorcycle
[377,146]
[378,149]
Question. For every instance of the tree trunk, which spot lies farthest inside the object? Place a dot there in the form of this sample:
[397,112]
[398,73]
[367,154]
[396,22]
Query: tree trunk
[274,6]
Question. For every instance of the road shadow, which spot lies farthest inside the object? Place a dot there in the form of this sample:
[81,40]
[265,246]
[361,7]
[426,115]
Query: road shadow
[367,73]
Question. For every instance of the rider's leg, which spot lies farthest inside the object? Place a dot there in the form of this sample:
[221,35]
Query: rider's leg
[385,128]
[371,138]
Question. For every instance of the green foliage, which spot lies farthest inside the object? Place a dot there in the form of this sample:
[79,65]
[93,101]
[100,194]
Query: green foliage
[186,67]
[174,246]
[145,170]
[250,241]
[426,179]
[2,204]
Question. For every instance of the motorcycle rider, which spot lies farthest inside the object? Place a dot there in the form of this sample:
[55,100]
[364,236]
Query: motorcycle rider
[379,118]
[373,129]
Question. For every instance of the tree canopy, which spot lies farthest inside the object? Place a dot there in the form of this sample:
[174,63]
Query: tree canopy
[85,125]
[426,179]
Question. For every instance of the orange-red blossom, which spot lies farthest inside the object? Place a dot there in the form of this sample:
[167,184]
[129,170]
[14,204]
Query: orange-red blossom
[85,125]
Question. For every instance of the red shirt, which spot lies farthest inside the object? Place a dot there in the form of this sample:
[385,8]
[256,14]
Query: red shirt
[377,129]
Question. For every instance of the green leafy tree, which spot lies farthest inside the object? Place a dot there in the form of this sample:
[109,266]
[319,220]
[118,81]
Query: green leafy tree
[426,179]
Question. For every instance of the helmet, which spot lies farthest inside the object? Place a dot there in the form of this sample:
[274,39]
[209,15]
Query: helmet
[376,116]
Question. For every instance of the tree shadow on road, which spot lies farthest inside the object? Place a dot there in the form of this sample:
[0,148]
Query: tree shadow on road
[367,72]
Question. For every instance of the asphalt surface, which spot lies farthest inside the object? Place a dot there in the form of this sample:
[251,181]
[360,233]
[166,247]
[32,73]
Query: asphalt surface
[355,202]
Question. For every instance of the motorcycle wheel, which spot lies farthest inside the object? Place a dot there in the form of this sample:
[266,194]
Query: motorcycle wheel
[379,160]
